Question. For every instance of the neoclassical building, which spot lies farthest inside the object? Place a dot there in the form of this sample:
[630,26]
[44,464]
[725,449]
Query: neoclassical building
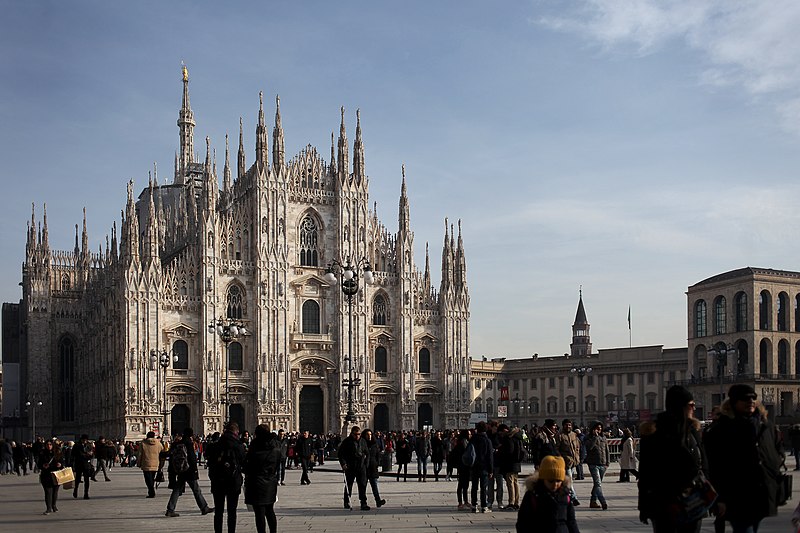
[189,252]
[744,327]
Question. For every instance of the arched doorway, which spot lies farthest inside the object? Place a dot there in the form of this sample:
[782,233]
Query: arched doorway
[180,418]
[237,415]
[380,417]
[312,416]
[424,416]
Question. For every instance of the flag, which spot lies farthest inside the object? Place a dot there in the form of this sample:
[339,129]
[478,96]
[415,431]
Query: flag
[629,318]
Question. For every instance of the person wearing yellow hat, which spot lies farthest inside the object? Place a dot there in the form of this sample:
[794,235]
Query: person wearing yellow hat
[547,506]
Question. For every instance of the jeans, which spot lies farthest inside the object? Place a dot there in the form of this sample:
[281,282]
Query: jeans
[373,482]
[101,465]
[579,471]
[361,480]
[597,471]
[150,482]
[463,485]
[422,467]
[178,490]
[306,463]
[281,470]
[437,467]
[479,476]
[496,484]
[219,509]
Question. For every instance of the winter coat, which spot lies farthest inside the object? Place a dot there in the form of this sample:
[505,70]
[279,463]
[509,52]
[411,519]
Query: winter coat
[437,449]
[403,451]
[148,456]
[545,444]
[569,447]
[484,453]
[422,446]
[671,457]
[49,462]
[353,454]
[543,511]
[82,454]
[627,457]
[373,459]
[228,447]
[192,473]
[509,452]
[261,471]
[597,450]
[744,457]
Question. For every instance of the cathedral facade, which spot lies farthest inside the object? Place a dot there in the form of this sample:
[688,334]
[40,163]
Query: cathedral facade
[254,252]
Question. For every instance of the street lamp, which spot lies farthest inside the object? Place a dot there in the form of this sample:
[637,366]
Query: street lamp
[33,404]
[228,330]
[347,273]
[580,371]
[163,359]
[721,352]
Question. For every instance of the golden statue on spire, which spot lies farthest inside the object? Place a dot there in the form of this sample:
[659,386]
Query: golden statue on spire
[185,71]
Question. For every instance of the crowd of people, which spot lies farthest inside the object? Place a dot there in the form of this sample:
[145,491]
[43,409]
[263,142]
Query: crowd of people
[738,454]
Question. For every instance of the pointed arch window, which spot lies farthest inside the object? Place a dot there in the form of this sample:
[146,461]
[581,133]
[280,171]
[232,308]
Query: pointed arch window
[309,237]
[700,312]
[740,302]
[66,380]
[235,299]
[235,357]
[381,363]
[65,285]
[311,317]
[181,352]
[720,316]
[379,311]
[424,361]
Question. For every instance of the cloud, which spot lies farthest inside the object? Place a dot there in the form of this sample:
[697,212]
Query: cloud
[751,45]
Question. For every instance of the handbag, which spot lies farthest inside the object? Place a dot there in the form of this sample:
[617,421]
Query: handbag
[695,502]
[63,476]
[159,477]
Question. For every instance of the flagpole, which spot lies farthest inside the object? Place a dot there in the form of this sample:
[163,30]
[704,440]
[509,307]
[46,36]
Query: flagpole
[630,334]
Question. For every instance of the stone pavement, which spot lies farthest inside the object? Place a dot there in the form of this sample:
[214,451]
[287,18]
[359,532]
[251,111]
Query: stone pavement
[120,506]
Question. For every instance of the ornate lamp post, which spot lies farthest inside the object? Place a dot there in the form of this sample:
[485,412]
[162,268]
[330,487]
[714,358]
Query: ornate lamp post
[32,405]
[163,359]
[720,353]
[348,273]
[229,330]
[581,371]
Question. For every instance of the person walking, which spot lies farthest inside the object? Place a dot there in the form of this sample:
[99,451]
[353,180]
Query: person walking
[403,456]
[305,446]
[353,459]
[283,447]
[261,466]
[101,452]
[373,460]
[463,471]
[225,458]
[597,459]
[437,453]
[183,469]
[509,456]
[49,461]
[82,454]
[671,459]
[148,459]
[482,470]
[744,457]
[422,447]
[627,458]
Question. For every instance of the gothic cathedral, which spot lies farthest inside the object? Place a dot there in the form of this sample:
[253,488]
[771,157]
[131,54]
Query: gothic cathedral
[99,326]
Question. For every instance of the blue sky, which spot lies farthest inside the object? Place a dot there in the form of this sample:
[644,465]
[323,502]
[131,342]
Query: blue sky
[631,148]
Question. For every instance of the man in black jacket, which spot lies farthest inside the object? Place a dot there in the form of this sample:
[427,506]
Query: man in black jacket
[353,458]
[225,459]
[305,446]
[187,477]
[483,468]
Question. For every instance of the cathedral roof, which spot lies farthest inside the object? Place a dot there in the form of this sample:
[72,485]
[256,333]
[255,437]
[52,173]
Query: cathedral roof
[748,272]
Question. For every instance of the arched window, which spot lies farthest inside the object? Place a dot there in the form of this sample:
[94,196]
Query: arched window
[381,366]
[797,313]
[783,311]
[235,300]
[783,358]
[66,380]
[311,317]
[236,357]
[65,285]
[740,301]
[700,319]
[379,311]
[797,360]
[180,351]
[743,357]
[764,355]
[308,242]
[424,361]
[764,310]
[720,316]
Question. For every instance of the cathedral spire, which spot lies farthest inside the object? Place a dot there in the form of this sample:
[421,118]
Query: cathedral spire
[460,266]
[278,149]
[45,243]
[358,151]
[130,232]
[150,248]
[84,238]
[427,279]
[77,249]
[32,229]
[403,215]
[581,341]
[210,184]
[226,172]
[333,153]
[447,260]
[186,125]
[342,159]
[261,135]
[241,162]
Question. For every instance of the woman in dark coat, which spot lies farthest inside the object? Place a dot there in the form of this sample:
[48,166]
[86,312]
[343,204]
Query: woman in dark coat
[671,457]
[261,478]
[373,460]
[403,456]
[437,454]
[49,461]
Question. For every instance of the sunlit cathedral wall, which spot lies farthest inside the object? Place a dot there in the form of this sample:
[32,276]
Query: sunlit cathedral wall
[189,252]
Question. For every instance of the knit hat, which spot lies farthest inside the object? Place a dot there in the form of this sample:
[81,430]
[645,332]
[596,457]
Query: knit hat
[552,469]
[741,391]
[677,398]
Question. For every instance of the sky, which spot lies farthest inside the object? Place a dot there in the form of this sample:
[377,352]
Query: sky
[623,149]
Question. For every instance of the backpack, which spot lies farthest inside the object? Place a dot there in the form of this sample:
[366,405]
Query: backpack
[469,455]
[179,459]
[227,464]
